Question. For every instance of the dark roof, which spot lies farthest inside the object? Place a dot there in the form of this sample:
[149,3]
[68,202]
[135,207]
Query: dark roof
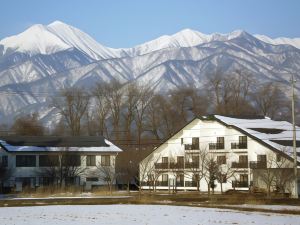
[286,142]
[55,141]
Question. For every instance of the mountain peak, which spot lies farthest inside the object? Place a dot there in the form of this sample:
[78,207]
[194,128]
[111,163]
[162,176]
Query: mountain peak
[56,22]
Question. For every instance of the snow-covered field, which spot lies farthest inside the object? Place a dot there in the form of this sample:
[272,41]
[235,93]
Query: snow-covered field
[137,215]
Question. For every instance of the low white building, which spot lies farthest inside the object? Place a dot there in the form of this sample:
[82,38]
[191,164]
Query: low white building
[238,146]
[39,161]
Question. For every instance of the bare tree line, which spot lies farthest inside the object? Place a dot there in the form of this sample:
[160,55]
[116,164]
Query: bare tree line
[134,113]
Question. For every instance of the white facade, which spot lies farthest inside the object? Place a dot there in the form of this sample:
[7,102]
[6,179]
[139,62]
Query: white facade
[33,174]
[240,148]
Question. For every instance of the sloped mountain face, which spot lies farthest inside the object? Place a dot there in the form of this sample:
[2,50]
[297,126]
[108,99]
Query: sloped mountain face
[36,64]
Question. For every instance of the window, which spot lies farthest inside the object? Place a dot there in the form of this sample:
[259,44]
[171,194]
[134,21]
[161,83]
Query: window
[261,158]
[180,160]
[243,159]
[48,160]
[244,178]
[4,161]
[93,179]
[164,159]
[71,160]
[90,160]
[242,139]
[221,159]
[195,159]
[25,161]
[195,143]
[181,141]
[165,178]
[105,160]
[242,142]
[45,181]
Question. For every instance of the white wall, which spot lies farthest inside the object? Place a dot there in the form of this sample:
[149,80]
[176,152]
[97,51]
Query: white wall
[208,131]
[89,171]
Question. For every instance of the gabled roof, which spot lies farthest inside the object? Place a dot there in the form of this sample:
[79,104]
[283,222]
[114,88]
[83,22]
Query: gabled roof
[276,135]
[57,144]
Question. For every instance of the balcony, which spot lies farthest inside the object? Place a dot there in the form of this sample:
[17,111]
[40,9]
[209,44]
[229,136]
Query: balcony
[239,165]
[216,146]
[239,145]
[161,165]
[240,184]
[258,165]
[192,165]
[191,147]
[176,165]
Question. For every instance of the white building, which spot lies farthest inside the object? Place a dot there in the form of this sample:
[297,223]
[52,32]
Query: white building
[237,145]
[37,161]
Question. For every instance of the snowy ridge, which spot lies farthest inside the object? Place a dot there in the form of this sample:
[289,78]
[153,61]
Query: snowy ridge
[279,41]
[55,37]
[58,36]
[47,58]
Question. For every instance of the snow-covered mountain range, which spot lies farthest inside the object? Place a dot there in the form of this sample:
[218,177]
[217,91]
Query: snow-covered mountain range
[45,58]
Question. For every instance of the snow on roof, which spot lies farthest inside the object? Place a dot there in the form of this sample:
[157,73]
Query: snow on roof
[267,130]
[110,147]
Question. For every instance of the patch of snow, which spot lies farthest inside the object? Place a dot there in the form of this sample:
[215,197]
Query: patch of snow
[137,215]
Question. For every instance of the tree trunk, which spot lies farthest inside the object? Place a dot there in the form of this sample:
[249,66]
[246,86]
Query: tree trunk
[221,187]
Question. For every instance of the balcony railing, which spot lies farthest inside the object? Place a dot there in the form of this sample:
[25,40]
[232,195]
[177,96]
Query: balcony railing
[239,145]
[216,146]
[239,165]
[176,165]
[161,165]
[192,165]
[191,184]
[179,166]
[191,147]
[239,184]
[258,165]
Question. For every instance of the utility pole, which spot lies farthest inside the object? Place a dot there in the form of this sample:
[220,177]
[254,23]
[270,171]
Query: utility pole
[295,195]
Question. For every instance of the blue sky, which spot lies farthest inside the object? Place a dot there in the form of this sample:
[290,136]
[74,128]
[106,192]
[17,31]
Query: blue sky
[125,23]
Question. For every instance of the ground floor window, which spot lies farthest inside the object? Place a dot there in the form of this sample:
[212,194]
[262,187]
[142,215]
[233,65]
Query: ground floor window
[92,179]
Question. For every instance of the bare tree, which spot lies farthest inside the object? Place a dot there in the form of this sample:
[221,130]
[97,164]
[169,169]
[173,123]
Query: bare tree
[225,172]
[61,168]
[153,121]
[72,105]
[101,107]
[107,173]
[277,174]
[145,95]
[268,99]
[230,92]
[147,169]
[195,166]
[28,125]
[132,98]
[211,169]
[113,95]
